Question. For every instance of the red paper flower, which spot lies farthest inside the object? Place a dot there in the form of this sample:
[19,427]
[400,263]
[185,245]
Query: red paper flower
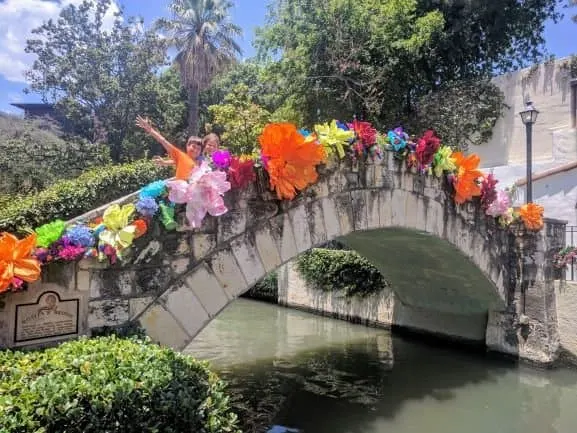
[427,146]
[241,173]
[366,134]
[488,191]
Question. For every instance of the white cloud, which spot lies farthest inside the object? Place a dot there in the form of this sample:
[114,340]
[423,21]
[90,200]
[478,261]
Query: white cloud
[17,20]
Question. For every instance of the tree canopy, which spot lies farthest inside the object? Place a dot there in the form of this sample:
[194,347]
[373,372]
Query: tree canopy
[100,77]
[376,59]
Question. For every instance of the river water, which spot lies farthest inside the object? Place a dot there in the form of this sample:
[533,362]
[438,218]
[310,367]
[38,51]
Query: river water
[319,375]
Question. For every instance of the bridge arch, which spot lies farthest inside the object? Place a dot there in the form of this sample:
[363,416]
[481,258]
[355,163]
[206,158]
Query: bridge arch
[216,264]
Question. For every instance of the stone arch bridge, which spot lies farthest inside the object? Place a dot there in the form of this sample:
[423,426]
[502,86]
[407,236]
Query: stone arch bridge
[436,255]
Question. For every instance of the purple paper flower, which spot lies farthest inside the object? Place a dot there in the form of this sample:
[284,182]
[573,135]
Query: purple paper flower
[221,159]
[147,206]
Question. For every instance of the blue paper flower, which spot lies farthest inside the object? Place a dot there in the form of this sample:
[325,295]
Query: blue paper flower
[153,190]
[304,132]
[397,140]
[342,125]
[80,235]
[147,206]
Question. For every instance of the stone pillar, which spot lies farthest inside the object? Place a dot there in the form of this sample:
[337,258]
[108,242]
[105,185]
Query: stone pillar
[527,328]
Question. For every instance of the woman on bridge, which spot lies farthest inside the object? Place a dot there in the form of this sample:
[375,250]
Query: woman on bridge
[184,161]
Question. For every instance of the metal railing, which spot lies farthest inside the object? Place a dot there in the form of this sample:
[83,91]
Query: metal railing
[571,240]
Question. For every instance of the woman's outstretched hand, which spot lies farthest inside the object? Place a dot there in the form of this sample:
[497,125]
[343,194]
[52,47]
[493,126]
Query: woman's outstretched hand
[144,123]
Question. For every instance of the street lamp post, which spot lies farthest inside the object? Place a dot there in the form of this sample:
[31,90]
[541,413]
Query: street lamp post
[529,117]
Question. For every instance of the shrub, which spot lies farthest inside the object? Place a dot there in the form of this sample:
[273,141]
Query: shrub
[331,270]
[266,288]
[70,198]
[110,385]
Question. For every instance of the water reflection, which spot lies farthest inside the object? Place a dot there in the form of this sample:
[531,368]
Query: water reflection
[327,376]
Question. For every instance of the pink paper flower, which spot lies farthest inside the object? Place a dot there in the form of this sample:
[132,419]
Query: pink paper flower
[500,205]
[202,194]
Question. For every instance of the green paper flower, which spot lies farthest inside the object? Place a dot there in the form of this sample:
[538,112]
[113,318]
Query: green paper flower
[49,233]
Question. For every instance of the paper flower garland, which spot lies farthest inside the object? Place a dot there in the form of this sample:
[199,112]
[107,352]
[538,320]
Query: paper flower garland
[333,138]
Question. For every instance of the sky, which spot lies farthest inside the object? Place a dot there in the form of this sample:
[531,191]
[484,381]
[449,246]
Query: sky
[19,17]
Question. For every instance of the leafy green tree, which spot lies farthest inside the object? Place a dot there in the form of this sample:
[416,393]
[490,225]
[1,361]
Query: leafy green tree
[239,120]
[101,78]
[205,40]
[34,154]
[462,113]
[377,59]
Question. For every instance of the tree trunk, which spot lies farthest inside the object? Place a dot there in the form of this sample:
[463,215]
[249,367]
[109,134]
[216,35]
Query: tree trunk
[193,102]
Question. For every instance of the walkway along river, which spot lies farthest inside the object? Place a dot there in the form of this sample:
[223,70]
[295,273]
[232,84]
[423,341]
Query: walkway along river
[321,375]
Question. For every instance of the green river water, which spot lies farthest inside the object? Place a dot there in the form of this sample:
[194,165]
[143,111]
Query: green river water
[320,375]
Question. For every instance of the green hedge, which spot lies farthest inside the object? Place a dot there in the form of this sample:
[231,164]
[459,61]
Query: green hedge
[331,270]
[70,198]
[110,385]
[265,289]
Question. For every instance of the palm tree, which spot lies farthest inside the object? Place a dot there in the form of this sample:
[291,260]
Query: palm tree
[205,40]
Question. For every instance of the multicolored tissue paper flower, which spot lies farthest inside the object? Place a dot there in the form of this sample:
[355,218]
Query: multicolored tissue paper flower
[333,138]
[221,158]
[241,173]
[488,190]
[147,207]
[443,161]
[467,178]
[500,204]
[532,216]
[291,160]
[118,233]
[17,261]
[427,147]
[398,139]
[365,133]
[153,190]
[202,193]
[49,233]
[80,235]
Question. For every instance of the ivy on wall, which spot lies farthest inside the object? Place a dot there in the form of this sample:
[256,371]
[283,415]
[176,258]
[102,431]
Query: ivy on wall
[340,270]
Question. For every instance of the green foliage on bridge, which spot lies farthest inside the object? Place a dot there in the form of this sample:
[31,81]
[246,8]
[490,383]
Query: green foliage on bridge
[70,198]
[110,385]
[336,270]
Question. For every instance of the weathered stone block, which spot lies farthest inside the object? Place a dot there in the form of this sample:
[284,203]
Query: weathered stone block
[207,290]
[62,274]
[179,265]
[316,223]
[359,209]
[111,312]
[231,224]
[151,281]
[201,244]
[301,231]
[149,253]
[344,212]
[331,219]
[83,280]
[282,232]
[182,303]
[398,205]
[267,247]
[138,305]
[226,270]
[411,210]
[385,208]
[248,260]
[163,328]
[373,209]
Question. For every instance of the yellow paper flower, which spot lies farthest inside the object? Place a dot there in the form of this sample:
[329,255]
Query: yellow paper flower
[333,138]
[444,161]
[118,233]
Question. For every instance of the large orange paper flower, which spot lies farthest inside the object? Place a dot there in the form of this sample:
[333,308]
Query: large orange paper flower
[289,158]
[532,216]
[16,260]
[467,177]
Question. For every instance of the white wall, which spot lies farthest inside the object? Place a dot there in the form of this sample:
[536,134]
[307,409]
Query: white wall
[557,194]
[548,88]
